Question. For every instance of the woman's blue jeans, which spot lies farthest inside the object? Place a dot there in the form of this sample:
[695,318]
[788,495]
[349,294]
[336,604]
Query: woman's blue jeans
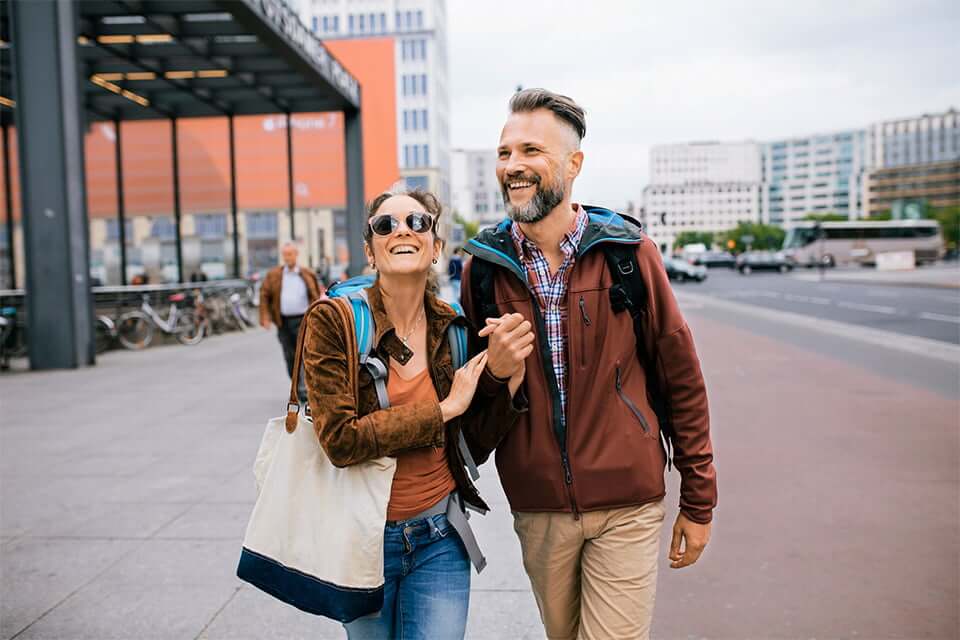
[427,588]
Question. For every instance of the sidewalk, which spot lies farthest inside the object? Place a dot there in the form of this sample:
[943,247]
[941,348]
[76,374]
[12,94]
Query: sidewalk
[125,490]
[942,276]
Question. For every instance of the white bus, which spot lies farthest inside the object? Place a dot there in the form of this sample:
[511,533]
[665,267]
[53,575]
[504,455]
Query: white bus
[860,241]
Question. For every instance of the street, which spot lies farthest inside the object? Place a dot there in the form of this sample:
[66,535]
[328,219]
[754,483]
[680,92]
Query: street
[912,310]
[126,488]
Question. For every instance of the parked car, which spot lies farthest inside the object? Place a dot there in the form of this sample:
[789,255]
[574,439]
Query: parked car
[762,261]
[715,259]
[681,270]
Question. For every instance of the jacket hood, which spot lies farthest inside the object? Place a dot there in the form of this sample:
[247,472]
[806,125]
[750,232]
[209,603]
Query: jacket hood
[495,244]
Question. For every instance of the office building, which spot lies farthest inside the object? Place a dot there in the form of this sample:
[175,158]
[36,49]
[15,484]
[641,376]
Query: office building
[419,30]
[476,195]
[701,186]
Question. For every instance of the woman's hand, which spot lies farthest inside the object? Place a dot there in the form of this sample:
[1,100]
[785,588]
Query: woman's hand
[464,386]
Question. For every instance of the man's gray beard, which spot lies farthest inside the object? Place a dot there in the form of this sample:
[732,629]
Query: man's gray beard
[542,203]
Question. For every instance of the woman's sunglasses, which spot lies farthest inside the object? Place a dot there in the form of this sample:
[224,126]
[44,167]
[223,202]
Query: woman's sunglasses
[385,224]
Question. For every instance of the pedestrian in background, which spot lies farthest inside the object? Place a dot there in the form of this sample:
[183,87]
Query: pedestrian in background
[285,295]
[455,272]
[426,564]
[583,468]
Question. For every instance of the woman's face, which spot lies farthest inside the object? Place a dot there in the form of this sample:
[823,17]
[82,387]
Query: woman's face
[403,251]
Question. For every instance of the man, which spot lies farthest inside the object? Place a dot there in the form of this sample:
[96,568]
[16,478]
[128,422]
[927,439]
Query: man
[285,295]
[583,468]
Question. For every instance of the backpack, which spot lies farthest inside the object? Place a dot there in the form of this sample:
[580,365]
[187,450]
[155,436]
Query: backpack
[628,293]
[355,291]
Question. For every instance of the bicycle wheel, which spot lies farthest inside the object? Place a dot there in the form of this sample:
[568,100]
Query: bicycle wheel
[189,329]
[134,330]
[103,334]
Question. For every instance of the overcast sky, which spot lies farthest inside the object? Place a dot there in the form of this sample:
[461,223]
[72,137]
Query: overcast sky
[676,71]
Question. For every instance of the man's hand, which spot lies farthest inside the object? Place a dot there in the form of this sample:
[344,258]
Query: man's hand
[510,342]
[695,538]
[265,323]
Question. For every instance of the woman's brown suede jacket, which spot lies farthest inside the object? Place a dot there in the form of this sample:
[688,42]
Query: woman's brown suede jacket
[347,416]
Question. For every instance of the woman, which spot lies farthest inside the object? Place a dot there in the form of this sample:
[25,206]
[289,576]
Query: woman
[426,567]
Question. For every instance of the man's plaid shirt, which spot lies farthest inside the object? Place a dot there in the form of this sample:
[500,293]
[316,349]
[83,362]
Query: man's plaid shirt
[551,292]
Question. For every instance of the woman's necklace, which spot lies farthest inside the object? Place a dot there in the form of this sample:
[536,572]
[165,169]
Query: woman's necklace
[404,339]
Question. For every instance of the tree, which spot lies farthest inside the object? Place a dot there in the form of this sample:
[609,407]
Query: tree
[693,237]
[470,229]
[765,236]
[826,217]
[949,219]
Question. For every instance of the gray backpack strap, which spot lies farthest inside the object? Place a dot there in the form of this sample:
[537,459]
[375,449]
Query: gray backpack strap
[457,336]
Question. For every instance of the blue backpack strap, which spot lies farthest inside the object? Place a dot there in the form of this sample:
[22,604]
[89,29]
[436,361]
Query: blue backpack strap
[457,335]
[365,330]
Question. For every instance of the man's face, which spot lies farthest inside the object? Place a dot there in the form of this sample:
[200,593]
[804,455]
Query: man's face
[536,158]
[289,256]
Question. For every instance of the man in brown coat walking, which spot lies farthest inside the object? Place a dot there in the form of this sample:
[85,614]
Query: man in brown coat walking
[285,296]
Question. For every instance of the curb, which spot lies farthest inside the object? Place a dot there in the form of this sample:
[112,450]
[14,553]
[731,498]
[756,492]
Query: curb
[915,345]
[883,283]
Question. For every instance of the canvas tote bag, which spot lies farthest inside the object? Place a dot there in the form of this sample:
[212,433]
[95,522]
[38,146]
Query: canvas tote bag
[315,538]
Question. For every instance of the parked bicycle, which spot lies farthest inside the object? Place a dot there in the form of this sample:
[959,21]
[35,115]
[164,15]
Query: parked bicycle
[136,329]
[13,337]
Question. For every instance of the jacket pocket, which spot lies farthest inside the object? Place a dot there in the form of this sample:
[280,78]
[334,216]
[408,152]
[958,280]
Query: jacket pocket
[630,405]
[585,319]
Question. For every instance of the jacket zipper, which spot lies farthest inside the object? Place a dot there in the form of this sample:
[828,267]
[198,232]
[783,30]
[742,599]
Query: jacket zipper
[583,312]
[583,339]
[548,369]
[633,408]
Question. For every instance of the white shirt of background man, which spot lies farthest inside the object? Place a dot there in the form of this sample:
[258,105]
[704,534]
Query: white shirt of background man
[293,293]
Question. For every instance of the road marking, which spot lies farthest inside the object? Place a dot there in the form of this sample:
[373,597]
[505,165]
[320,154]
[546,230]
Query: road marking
[940,317]
[810,299]
[926,347]
[867,307]
[873,293]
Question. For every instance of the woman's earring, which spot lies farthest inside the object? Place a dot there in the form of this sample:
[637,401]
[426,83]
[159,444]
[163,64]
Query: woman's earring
[435,261]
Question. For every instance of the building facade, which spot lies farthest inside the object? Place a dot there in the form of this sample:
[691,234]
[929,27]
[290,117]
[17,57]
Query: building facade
[476,195]
[419,30]
[930,138]
[916,160]
[823,173]
[706,187]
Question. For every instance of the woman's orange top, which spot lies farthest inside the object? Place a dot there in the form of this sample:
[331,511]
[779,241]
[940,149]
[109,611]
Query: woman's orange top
[423,476]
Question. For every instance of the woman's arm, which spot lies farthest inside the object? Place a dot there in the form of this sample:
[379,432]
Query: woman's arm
[331,389]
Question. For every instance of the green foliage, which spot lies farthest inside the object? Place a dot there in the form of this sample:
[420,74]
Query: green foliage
[765,236]
[949,219]
[470,229]
[693,237]
[826,217]
[882,216]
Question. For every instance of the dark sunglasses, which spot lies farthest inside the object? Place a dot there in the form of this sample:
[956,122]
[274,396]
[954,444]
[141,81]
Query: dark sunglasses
[385,224]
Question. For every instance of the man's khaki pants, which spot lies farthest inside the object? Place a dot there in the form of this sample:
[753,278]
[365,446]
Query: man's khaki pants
[594,578]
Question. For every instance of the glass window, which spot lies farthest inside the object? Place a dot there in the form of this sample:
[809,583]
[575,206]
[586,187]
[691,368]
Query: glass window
[383,23]
[373,23]
[426,156]
[423,49]
[420,19]
[406,155]
[406,120]
[396,20]
[113,230]
[314,21]
[262,225]
[417,182]
[416,155]
[423,119]
[362,23]
[350,23]
[408,19]
[423,84]
[212,225]
[164,228]
[336,24]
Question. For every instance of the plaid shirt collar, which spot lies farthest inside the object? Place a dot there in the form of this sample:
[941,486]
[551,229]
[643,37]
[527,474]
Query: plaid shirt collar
[527,249]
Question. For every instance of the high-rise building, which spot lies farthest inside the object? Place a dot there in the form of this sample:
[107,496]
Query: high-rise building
[925,139]
[701,186]
[823,173]
[476,196]
[419,29]
[916,160]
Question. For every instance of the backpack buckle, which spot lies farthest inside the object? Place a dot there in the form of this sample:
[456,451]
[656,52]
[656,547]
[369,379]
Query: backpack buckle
[619,300]
[625,267]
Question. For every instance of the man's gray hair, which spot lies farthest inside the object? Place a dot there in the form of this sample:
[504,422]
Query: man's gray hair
[561,106]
